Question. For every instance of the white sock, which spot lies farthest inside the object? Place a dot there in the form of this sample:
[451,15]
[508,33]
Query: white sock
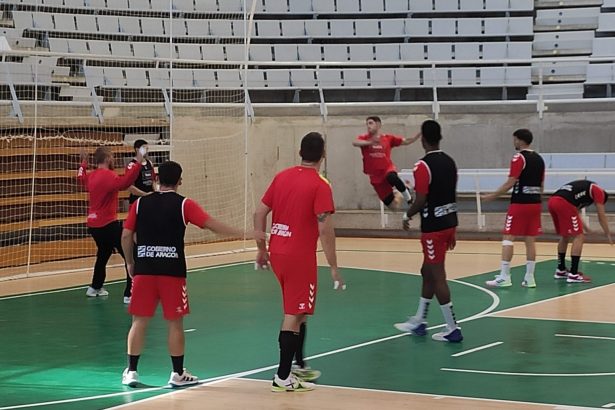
[530,266]
[421,312]
[406,195]
[449,316]
[505,269]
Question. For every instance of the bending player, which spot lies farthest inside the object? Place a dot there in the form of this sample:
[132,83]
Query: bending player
[377,163]
[563,207]
[436,185]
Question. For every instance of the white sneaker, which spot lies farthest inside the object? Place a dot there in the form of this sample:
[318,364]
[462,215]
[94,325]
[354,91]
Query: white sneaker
[499,282]
[130,378]
[293,383]
[561,274]
[305,373]
[451,336]
[529,282]
[413,326]
[186,379]
[92,293]
[127,300]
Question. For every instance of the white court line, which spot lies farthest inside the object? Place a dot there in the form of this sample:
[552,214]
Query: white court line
[586,337]
[609,405]
[47,292]
[606,322]
[476,349]
[189,330]
[437,397]
[447,369]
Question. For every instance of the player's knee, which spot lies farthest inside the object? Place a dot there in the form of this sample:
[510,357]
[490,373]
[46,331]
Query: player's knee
[388,200]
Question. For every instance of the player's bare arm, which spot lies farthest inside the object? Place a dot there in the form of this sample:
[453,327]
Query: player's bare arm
[408,141]
[260,223]
[128,244]
[223,229]
[415,208]
[506,186]
[136,191]
[362,143]
[327,239]
[604,222]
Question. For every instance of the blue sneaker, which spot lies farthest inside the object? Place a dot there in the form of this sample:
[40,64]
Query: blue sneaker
[451,336]
[413,326]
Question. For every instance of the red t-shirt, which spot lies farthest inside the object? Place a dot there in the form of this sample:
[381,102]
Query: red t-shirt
[597,194]
[103,186]
[192,213]
[296,197]
[377,158]
[422,177]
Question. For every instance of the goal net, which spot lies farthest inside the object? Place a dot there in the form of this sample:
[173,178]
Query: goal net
[76,76]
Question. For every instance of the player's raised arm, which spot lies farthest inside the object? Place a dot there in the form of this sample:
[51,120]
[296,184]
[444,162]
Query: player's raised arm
[362,142]
[82,172]
[131,174]
[408,141]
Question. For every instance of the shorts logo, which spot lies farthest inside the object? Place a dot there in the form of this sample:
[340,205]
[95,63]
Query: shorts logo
[431,252]
[575,223]
[509,219]
[185,297]
[301,306]
[312,295]
[141,251]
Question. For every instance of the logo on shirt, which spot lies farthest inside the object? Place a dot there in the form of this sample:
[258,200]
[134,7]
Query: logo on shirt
[281,230]
[166,252]
[93,215]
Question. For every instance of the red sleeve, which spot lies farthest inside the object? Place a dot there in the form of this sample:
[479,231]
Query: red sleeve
[82,173]
[129,177]
[597,194]
[268,196]
[395,140]
[131,221]
[154,174]
[422,177]
[517,164]
[194,214]
[323,202]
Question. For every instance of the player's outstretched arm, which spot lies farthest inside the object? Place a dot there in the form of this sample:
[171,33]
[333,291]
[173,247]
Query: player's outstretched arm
[506,186]
[408,141]
[136,191]
[604,222]
[82,173]
[222,228]
[327,239]
[260,225]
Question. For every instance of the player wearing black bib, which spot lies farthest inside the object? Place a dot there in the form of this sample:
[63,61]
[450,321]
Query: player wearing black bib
[156,225]
[146,181]
[435,179]
[526,176]
[564,208]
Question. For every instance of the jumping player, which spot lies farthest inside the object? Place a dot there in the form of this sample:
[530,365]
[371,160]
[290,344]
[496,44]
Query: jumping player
[302,204]
[157,223]
[377,164]
[563,207]
[435,177]
[526,177]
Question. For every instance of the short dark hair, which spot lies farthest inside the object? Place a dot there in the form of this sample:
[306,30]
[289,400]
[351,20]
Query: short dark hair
[139,143]
[524,135]
[101,154]
[169,173]
[432,132]
[374,118]
[312,147]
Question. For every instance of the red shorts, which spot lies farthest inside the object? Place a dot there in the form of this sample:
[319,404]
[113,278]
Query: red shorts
[171,291]
[523,220]
[298,279]
[565,217]
[383,189]
[435,245]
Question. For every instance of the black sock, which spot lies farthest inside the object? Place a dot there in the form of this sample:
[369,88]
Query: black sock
[299,353]
[561,261]
[133,361]
[178,364]
[574,266]
[288,341]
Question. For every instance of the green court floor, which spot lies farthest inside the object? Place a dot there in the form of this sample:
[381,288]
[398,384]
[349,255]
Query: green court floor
[61,350]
